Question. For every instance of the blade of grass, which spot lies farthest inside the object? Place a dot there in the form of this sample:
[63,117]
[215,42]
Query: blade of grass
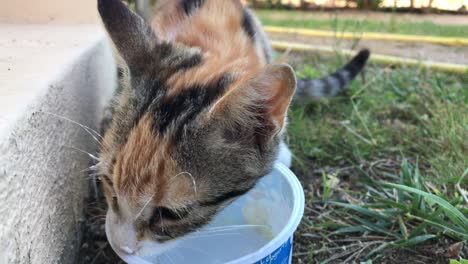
[415,240]
[418,230]
[403,229]
[393,204]
[416,201]
[375,227]
[453,213]
[458,234]
[361,210]
[377,249]
[351,229]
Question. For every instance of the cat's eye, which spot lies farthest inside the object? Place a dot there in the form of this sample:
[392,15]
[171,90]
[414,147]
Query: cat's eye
[164,213]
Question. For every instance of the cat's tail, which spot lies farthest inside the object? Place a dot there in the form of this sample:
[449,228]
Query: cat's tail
[332,84]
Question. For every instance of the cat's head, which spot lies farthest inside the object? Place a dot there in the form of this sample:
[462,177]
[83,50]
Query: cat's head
[175,156]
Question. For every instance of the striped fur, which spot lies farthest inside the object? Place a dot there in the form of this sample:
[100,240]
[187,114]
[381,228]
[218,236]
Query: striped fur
[332,84]
[198,120]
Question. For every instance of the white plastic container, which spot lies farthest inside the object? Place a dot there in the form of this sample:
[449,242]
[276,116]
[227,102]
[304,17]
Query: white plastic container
[257,228]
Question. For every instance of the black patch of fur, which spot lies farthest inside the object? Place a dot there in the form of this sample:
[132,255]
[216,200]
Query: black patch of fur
[185,106]
[148,81]
[188,63]
[150,96]
[357,63]
[190,5]
[248,24]
[163,213]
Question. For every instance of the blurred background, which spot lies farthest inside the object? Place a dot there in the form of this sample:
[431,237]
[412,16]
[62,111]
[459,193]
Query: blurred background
[413,5]
[454,6]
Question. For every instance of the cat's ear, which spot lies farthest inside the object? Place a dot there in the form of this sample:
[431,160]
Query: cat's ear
[130,33]
[261,102]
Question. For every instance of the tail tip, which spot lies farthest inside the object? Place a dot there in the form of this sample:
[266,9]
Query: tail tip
[362,57]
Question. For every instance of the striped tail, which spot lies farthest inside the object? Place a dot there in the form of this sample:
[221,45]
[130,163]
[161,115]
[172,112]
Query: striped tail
[332,84]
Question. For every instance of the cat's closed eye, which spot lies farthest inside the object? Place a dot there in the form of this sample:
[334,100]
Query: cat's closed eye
[164,213]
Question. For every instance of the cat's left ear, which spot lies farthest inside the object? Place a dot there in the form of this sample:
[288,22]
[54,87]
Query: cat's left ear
[261,103]
[130,33]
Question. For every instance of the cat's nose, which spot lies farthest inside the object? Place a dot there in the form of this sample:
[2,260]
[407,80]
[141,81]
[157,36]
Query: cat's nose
[127,250]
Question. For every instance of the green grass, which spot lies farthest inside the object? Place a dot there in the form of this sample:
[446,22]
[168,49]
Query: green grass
[400,112]
[463,261]
[393,25]
[404,134]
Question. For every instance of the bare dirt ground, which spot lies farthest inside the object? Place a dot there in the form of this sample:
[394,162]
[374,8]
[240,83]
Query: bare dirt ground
[442,19]
[419,51]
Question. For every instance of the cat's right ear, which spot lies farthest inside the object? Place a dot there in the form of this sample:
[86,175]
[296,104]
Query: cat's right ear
[130,33]
[260,104]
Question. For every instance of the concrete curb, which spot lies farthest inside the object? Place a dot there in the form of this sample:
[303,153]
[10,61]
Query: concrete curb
[42,188]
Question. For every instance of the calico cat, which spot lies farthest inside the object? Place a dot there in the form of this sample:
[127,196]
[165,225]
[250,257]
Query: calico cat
[199,120]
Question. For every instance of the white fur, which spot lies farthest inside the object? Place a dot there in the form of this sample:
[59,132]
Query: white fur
[284,155]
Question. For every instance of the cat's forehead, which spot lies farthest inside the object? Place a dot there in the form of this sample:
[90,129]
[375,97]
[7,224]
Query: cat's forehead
[142,160]
[146,166]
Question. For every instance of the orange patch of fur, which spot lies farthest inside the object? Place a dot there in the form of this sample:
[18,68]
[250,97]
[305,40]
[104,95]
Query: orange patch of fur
[142,162]
[144,168]
[216,29]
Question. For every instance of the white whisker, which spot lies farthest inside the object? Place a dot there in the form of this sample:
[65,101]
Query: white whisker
[191,177]
[93,133]
[92,168]
[144,206]
[87,153]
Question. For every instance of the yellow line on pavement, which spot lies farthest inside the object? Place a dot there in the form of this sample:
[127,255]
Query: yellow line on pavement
[376,58]
[369,35]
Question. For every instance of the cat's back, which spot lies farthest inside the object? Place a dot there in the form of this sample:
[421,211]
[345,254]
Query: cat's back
[223,30]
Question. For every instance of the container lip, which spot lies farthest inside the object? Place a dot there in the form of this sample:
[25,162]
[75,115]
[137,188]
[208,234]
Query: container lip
[288,231]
